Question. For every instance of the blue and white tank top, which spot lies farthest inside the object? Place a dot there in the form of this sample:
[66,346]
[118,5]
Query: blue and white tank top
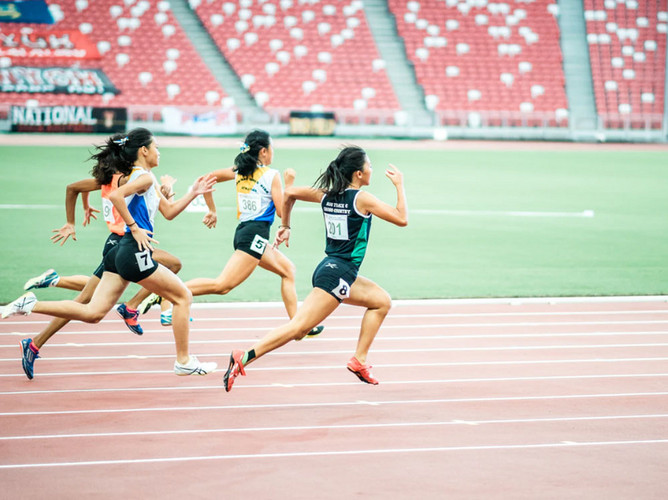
[254,201]
[143,206]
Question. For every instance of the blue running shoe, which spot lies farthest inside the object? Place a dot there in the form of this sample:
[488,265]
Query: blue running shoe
[46,279]
[166,318]
[130,319]
[28,357]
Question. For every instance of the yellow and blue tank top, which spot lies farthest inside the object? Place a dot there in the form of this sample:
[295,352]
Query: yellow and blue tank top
[346,229]
[254,201]
[143,206]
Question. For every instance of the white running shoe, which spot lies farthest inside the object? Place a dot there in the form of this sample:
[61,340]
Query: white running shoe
[194,367]
[149,302]
[44,280]
[22,305]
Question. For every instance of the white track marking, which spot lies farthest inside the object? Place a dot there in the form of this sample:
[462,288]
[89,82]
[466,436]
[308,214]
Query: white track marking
[563,444]
[321,404]
[337,427]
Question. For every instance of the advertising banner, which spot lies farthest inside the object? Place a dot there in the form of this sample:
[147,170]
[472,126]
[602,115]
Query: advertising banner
[55,81]
[85,119]
[25,11]
[216,122]
[311,123]
[46,44]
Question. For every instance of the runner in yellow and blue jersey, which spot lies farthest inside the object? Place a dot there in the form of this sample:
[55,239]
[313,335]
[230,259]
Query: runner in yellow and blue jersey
[347,212]
[259,197]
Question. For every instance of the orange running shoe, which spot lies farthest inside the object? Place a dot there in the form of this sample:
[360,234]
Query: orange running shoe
[234,369]
[363,372]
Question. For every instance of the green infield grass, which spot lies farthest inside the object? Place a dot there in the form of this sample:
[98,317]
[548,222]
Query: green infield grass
[481,223]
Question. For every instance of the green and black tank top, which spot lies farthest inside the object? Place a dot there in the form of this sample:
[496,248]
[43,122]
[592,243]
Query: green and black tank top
[347,230]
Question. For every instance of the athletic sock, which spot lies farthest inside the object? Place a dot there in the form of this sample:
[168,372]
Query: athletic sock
[248,355]
[55,282]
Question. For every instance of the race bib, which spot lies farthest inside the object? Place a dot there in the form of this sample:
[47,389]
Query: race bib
[336,226]
[108,210]
[249,203]
[144,260]
[259,244]
[342,291]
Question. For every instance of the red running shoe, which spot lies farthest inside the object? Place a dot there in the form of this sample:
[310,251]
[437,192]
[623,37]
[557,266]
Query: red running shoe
[234,369]
[363,372]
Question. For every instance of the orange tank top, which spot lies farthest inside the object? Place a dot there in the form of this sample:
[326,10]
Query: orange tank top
[111,216]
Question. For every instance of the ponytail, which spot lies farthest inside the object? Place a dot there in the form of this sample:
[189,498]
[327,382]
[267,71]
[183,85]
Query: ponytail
[118,154]
[247,160]
[339,173]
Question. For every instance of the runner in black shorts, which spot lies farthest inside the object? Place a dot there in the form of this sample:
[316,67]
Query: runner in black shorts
[137,201]
[259,198]
[347,212]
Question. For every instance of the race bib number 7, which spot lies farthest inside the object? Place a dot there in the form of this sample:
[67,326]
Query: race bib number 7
[144,260]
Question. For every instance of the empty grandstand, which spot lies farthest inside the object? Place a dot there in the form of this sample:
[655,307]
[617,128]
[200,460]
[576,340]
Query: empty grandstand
[567,69]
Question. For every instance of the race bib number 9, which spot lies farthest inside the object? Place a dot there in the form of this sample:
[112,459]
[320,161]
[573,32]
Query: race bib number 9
[249,203]
[144,260]
[108,210]
[336,226]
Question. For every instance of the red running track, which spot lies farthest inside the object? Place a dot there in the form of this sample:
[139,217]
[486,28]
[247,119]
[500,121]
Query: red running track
[478,399]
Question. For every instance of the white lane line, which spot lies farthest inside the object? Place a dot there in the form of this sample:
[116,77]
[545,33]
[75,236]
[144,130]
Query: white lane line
[563,444]
[322,367]
[421,349]
[5,206]
[421,211]
[392,316]
[338,367]
[406,326]
[337,427]
[333,404]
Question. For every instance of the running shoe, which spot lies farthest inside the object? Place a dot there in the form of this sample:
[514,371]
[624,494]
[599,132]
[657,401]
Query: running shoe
[194,367]
[166,318]
[22,305]
[312,333]
[149,302]
[363,372]
[234,369]
[130,319]
[29,353]
[46,279]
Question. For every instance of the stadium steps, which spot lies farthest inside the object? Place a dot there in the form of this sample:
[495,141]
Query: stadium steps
[399,70]
[216,62]
[577,67]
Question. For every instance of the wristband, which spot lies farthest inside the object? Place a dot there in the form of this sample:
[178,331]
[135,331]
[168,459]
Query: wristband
[132,223]
[283,226]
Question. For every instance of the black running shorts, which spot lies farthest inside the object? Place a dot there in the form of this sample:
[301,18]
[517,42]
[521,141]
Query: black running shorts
[127,261]
[252,237]
[335,276]
[112,242]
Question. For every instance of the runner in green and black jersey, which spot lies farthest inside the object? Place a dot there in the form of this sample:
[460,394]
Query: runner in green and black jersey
[347,212]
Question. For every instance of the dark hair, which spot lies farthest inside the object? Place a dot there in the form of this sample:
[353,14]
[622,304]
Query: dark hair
[246,161]
[118,154]
[339,173]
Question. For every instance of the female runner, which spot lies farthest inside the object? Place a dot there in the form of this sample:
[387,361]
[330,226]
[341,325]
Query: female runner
[131,258]
[347,211]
